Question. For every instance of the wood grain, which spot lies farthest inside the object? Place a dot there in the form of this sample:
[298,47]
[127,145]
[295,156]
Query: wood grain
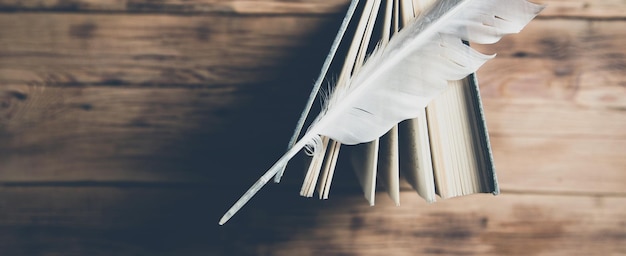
[181,221]
[578,63]
[157,50]
[581,165]
[555,104]
[583,9]
[587,9]
[548,85]
[127,127]
[124,98]
[53,134]
[264,7]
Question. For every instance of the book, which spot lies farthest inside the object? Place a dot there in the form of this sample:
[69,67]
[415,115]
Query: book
[443,153]
[444,147]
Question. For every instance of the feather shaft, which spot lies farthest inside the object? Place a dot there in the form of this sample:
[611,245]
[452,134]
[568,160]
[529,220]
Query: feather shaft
[318,82]
[266,177]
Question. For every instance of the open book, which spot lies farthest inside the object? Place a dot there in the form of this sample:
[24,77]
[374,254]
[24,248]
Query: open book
[443,148]
[445,151]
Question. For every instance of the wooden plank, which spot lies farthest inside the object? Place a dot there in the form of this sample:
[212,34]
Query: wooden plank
[180,6]
[158,50]
[555,105]
[587,9]
[562,119]
[540,89]
[182,221]
[75,108]
[140,134]
[559,61]
[179,134]
[132,49]
[149,97]
[584,9]
[581,165]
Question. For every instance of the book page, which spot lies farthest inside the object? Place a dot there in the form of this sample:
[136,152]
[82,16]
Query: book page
[329,170]
[364,158]
[308,186]
[354,60]
[415,159]
[458,158]
[389,164]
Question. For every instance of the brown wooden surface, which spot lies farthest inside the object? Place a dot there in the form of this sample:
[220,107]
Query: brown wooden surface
[605,9]
[128,127]
[273,7]
[555,103]
[174,221]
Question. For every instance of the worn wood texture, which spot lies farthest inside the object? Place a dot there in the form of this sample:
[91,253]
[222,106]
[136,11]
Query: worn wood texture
[154,50]
[605,9]
[555,103]
[128,126]
[123,221]
[98,108]
[126,97]
[273,7]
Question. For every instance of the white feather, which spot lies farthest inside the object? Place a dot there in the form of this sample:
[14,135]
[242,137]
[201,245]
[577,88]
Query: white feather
[399,80]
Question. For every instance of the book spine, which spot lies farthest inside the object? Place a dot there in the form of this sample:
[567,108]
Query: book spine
[484,134]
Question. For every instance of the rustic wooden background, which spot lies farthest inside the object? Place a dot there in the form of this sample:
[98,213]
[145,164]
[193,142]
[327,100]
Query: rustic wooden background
[127,127]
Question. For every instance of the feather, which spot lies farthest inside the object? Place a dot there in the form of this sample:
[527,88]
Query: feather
[399,80]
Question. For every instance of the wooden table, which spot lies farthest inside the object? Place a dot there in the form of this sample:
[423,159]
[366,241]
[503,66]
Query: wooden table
[127,128]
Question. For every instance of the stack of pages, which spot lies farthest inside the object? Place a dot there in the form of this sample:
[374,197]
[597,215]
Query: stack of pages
[443,152]
[402,109]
